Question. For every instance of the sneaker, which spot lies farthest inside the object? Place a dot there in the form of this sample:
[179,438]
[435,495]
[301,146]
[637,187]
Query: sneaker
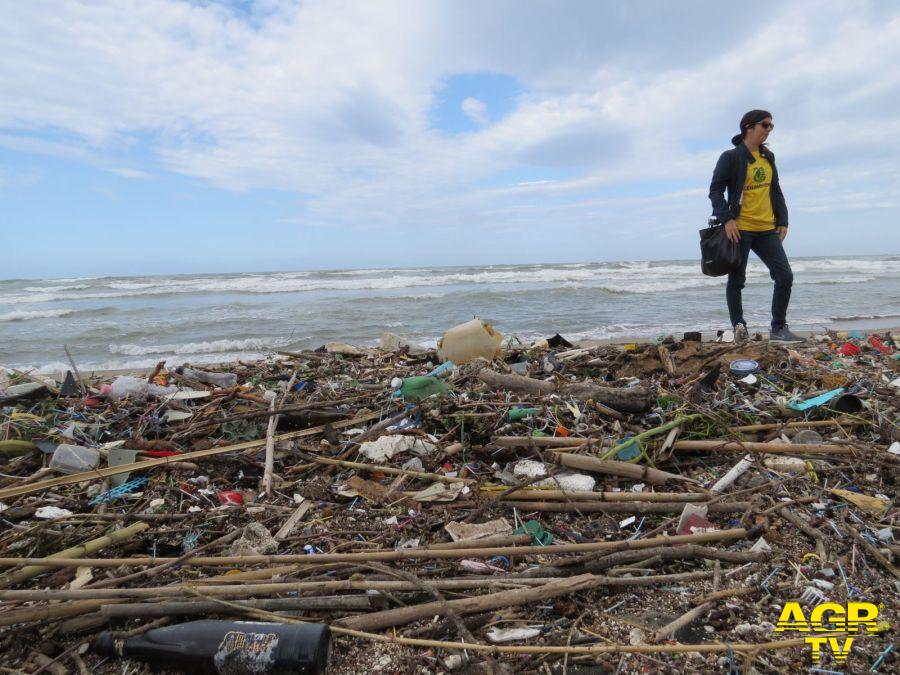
[740,333]
[784,336]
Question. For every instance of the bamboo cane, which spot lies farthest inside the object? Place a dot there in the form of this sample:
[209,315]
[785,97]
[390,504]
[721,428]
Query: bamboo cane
[76,552]
[382,556]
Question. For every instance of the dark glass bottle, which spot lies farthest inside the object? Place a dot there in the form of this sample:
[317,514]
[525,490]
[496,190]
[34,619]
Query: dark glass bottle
[228,647]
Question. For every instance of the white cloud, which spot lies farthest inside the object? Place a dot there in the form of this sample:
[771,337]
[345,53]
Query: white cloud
[333,99]
[475,110]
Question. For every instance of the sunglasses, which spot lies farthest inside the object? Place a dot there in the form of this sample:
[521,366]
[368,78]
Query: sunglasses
[767,125]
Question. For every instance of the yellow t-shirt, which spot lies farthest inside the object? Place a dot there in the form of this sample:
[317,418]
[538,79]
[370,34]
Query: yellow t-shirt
[756,204]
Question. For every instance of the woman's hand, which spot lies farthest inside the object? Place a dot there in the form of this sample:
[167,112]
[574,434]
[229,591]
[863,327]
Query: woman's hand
[732,231]
[782,232]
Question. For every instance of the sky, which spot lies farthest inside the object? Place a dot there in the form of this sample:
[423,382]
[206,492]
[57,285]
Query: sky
[175,136]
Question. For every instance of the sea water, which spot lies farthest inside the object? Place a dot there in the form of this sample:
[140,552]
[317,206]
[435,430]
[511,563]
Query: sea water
[129,322]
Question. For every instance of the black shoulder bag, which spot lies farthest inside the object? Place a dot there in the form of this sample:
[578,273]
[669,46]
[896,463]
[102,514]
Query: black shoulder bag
[718,254]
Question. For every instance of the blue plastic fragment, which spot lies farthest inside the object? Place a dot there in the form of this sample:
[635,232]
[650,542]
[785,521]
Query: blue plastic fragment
[441,369]
[120,491]
[816,401]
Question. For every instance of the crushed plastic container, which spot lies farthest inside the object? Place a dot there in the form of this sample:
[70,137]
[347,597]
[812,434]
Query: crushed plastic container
[126,386]
[469,341]
[416,389]
[223,380]
[69,458]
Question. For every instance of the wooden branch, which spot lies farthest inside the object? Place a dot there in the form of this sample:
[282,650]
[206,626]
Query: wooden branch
[682,621]
[616,468]
[354,603]
[623,507]
[797,425]
[594,563]
[389,555]
[766,448]
[249,590]
[666,357]
[628,399]
[89,547]
[513,598]
[873,551]
[269,468]
[811,532]
[584,495]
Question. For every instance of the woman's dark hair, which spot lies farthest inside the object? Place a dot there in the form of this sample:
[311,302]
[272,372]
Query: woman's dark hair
[748,120]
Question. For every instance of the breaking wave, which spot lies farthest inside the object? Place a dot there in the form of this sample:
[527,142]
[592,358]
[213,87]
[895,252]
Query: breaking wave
[211,347]
[35,314]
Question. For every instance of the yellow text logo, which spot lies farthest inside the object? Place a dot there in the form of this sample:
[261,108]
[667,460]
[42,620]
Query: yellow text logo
[829,617]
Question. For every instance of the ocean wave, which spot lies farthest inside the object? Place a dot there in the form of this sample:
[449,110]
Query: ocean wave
[35,314]
[44,289]
[617,277]
[210,347]
[832,281]
[864,317]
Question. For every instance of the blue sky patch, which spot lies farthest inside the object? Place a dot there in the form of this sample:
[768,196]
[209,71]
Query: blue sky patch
[496,92]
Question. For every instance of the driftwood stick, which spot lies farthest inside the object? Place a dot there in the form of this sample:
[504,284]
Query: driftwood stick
[765,448]
[78,377]
[270,451]
[386,469]
[797,425]
[354,603]
[682,621]
[807,529]
[628,399]
[623,507]
[686,552]
[249,590]
[75,552]
[873,551]
[615,468]
[53,612]
[605,648]
[390,555]
[586,495]
[666,357]
[87,602]
[151,572]
[403,615]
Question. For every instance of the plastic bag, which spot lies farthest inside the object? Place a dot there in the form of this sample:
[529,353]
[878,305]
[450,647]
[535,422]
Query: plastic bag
[718,255]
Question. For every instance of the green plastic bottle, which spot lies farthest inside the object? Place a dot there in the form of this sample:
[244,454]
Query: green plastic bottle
[515,414]
[419,388]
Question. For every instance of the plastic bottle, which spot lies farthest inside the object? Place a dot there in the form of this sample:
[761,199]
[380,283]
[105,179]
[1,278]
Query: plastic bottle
[69,458]
[223,380]
[228,647]
[416,389]
[516,414]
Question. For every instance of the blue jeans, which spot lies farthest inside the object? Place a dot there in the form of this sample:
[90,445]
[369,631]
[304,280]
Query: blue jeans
[768,247]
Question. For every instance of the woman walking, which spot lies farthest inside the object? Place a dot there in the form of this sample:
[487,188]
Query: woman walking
[755,218]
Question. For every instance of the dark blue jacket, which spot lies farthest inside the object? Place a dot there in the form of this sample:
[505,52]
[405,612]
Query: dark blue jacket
[730,173]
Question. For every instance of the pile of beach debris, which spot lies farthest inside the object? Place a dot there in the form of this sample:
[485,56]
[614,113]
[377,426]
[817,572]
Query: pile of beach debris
[489,506]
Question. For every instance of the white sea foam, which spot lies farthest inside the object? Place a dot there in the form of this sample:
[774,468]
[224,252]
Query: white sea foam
[35,314]
[58,368]
[55,289]
[211,347]
[629,277]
